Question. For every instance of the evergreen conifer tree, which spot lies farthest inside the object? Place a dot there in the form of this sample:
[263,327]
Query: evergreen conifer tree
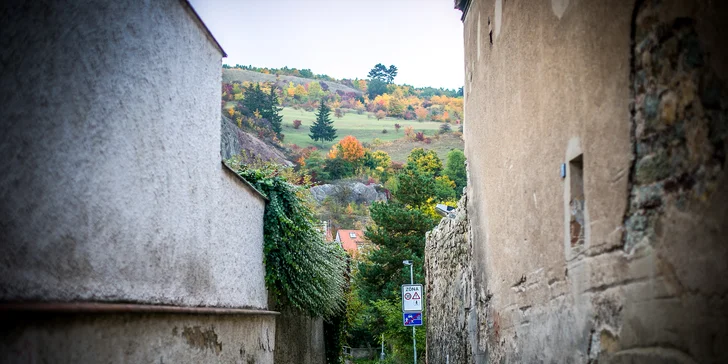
[271,112]
[323,129]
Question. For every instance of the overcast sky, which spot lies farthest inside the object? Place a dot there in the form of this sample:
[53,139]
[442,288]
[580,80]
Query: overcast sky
[343,38]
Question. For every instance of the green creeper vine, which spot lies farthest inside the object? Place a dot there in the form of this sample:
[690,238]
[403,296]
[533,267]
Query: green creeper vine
[302,270]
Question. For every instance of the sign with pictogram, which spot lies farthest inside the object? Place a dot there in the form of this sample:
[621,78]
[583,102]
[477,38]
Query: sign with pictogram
[412,318]
[411,297]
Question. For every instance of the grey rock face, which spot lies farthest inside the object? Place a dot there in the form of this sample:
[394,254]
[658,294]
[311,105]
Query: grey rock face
[346,192]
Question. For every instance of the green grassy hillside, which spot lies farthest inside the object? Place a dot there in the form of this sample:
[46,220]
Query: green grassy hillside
[364,127]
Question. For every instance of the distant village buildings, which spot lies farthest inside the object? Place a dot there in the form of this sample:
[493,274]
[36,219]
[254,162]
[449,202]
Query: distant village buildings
[353,241]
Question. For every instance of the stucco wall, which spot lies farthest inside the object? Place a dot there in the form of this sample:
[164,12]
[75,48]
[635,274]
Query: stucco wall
[164,338]
[111,186]
[551,80]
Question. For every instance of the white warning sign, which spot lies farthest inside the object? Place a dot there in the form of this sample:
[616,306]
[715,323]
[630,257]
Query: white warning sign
[411,297]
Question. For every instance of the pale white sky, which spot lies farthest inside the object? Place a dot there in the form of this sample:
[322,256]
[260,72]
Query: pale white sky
[344,38]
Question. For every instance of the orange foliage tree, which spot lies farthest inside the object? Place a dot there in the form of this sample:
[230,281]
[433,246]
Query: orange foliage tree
[351,148]
[421,113]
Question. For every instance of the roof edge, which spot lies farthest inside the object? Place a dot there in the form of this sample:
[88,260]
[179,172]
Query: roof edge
[196,17]
[463,5]
[245,182]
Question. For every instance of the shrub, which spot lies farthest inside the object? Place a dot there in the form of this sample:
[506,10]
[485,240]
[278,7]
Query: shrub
[409,132]
[384,131]
[296,124]
[302,270]
[420,136]
[338,113]
[396,127]
[381,114]
[428,140]
[445,128]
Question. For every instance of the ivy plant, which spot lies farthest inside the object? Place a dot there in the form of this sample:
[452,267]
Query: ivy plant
[302,270]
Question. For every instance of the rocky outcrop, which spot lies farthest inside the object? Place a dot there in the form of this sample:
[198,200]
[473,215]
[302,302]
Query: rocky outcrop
[235,141]
[346,192]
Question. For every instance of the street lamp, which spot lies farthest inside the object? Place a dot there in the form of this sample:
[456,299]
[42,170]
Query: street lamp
[409,263]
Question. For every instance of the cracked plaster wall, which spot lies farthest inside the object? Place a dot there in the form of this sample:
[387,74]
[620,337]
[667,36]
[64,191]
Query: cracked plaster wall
[644,286]
[135,338]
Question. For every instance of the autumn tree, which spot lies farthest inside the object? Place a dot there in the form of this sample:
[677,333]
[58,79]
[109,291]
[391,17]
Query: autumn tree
[425,160]
[351,149]
[421,113]
[322,129]
[380,114]
[315,92]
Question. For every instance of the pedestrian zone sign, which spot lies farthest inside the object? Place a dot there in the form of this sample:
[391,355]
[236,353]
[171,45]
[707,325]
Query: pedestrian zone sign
[411,297]
[412,318]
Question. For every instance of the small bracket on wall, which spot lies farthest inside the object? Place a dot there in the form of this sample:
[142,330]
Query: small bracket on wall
[562,170]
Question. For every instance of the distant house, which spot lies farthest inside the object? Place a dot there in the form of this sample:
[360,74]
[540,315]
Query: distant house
[351,240]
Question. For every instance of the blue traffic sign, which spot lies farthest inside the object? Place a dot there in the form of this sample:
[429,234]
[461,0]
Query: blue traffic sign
[412,318]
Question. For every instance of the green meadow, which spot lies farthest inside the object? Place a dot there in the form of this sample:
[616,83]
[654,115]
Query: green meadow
[364,127]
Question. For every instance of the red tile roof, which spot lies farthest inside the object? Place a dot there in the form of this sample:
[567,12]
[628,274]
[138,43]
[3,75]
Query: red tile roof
[349,243]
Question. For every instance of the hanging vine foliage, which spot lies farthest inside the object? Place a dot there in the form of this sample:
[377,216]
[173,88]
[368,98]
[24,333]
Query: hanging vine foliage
[302,270]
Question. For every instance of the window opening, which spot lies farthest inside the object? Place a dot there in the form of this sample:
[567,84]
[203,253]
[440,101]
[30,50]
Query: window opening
[576,200]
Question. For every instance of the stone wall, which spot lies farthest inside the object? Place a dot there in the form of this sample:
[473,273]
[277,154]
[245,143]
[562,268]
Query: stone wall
[451,313]
[615,261]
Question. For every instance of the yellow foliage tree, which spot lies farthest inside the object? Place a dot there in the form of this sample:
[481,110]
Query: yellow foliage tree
[301,91]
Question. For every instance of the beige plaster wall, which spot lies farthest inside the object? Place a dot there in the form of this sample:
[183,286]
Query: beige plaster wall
[546,81]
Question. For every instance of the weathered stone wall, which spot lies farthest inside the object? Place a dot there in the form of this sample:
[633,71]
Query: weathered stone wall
[451,313]
[618,261]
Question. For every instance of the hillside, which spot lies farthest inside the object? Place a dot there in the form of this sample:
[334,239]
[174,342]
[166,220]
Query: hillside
[367,129]
[230,75]
[234,140]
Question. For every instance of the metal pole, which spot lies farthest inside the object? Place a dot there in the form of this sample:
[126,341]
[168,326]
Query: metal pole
[414,339]
[414,343]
